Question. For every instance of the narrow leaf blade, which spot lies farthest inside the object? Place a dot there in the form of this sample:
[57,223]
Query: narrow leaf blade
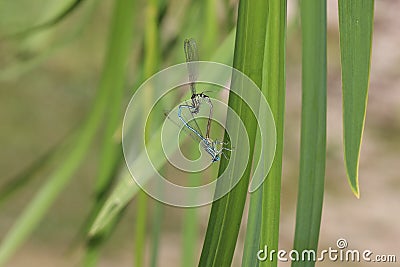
[313,129]
[356,26]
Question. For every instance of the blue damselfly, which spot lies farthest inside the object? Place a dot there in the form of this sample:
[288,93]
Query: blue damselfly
[214,148]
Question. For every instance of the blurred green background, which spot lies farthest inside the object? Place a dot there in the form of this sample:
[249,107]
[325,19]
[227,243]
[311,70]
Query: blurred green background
[48,80]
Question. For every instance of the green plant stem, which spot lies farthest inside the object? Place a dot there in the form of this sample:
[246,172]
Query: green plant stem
[210,28]
[313,128]
[158,218]
[150,67]
[140,228]
[113,79]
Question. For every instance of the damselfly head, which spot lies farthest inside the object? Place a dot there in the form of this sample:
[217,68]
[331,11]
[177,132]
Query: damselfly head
[216,158]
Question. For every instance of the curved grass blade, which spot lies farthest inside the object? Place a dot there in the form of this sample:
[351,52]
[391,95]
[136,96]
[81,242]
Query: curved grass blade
[356,25]
[52,22]
[100,199]
[313,129]
[102,196]
[14,71]
[113,77]
[95,243]
[126,188]
[122,193]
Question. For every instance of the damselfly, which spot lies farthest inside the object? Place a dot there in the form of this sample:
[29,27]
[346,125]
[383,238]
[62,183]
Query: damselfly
[192,57]
[214,148]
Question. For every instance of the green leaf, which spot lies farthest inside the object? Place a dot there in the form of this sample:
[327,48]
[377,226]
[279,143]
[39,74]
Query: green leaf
[313,128]
[263,219]
[274,84]
[95,243]
[226,212]
[124,191]
[126,188]
[356,25]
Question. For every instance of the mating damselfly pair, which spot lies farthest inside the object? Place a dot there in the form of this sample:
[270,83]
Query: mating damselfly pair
[214,148]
